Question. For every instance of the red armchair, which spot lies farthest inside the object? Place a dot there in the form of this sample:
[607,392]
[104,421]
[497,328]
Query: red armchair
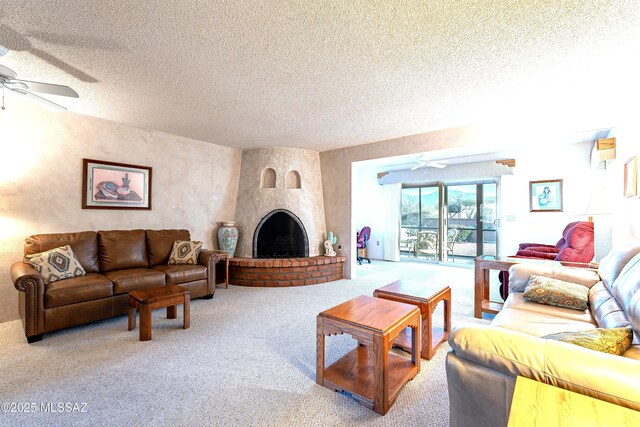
[576,245]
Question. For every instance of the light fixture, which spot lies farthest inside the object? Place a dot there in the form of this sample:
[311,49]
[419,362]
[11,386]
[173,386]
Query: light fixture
[604,149]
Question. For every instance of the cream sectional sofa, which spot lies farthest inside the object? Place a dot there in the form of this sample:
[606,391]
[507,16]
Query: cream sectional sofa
[485,361]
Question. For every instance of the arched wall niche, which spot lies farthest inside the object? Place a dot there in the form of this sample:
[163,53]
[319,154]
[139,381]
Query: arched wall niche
[268,179]
[293,180]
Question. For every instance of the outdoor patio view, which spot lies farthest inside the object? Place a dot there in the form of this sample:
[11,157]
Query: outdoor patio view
[470,222]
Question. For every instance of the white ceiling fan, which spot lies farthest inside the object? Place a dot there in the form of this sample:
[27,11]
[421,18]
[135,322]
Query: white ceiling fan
[24,88]
[423,161]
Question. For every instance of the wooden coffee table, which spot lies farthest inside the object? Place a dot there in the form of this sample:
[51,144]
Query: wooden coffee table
[426,297]
[369,373]
[164,296]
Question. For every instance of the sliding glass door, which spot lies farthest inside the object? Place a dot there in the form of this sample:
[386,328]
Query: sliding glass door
[452,222]
[420,221]
[471,219]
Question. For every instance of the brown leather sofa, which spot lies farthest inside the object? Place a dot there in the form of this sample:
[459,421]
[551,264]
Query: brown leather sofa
[116,262]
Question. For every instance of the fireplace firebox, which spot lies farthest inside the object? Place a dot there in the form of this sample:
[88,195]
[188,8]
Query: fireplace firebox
[280,234]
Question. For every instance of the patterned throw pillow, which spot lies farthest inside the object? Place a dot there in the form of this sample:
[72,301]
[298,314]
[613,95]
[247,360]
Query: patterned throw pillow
[612,341]
[545,290]
[185,252]
[56,264]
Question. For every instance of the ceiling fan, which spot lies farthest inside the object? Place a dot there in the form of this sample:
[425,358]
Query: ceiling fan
[423,161]
[24,88]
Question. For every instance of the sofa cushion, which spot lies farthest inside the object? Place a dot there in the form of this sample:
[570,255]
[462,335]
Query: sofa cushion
[122,249]
[56,264]
[605,309]
[519,275]
[185,252]
[613,263]
[537,323]
[516,301]
[89,287]
[132,279]
[160,243]
[612,341]
[626,290]
[545,290]
[633,352]
[84,245]
[177,274]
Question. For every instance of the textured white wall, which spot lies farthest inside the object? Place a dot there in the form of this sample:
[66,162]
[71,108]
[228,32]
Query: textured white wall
[369,209]
[306,203]
[567,162]
[195,184]
[625,218]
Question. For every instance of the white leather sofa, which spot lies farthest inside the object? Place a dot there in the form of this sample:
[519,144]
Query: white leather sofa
[485,360]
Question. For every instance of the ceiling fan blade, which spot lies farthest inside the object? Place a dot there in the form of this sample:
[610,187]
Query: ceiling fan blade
[37,99]
[4,71]
[50,88]
[436,165]
[418,165]
[3,50]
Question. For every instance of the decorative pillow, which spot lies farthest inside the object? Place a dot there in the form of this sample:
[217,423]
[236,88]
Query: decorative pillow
[545,290]
[185,252]
[56,264]
[612,341]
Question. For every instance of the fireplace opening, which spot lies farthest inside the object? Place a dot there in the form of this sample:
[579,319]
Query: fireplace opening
[280,234]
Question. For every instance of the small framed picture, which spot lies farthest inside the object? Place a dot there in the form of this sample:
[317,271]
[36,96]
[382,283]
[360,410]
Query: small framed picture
[109,185]
[545,196]
[631,177]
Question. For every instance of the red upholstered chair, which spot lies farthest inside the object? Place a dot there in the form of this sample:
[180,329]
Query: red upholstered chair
[576,245]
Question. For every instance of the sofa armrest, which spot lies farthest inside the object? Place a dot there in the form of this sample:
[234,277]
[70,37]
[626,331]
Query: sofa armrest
[31,286]
[519,275]
[542,249]
[209,258]
[22,273]
[529,253]
[600,375]
[539,245]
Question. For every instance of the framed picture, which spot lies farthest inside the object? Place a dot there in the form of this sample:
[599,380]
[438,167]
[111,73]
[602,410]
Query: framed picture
[109,185]
[545,196]
[631,177]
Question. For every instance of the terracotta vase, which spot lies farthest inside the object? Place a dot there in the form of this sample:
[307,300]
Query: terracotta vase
[228,237]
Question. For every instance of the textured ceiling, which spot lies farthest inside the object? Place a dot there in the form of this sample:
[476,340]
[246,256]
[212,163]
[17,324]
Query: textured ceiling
[330,74]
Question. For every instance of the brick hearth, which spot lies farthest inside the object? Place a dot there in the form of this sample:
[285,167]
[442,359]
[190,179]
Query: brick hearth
[276,272]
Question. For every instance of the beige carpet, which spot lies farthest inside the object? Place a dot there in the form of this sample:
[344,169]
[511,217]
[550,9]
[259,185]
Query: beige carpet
[247,360]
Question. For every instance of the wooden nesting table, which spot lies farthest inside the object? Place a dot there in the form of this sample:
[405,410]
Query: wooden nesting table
[369,373]
[164,296]
[426,297]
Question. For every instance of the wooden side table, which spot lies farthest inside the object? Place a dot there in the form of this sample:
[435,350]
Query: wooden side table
[481,301]
[539,404]
[164,296]
[369,373]
[426,297]
[222,268]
